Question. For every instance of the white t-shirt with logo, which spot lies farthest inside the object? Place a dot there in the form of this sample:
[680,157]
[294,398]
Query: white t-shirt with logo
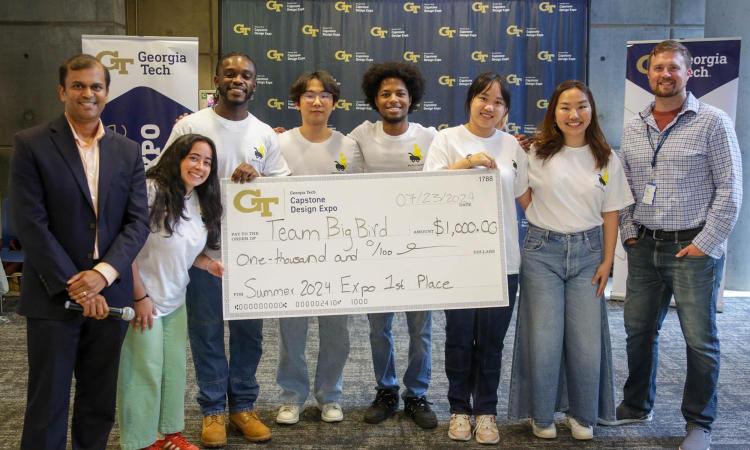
[385,153]
[453,144]
[164,261]
[569,194]
[237,141]
[337,154]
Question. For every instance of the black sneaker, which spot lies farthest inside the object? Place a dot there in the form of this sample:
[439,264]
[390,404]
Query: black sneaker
[383,407]
[626,415]
[418,408]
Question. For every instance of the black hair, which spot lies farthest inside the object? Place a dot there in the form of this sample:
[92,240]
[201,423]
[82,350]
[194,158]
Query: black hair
[80,62]
[480,84]
[406,72]
[299,86]
[232,55]
[168,206]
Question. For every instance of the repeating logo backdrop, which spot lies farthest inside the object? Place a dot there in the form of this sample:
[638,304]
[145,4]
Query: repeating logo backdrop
[533,44]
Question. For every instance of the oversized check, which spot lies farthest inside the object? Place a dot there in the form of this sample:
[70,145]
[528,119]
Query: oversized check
[343,244]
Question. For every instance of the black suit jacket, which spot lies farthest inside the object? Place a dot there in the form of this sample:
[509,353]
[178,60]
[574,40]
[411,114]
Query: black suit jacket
[55,220]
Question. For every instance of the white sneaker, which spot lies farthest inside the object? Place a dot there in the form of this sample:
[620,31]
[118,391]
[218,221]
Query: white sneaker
[548,432]
[331,412]
[288,415]
[580,432]
[486,430]
[460,427]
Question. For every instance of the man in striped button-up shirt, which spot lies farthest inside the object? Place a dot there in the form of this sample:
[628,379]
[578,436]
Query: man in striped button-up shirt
[682,161]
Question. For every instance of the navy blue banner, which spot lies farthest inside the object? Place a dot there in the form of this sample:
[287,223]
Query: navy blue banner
[533,44]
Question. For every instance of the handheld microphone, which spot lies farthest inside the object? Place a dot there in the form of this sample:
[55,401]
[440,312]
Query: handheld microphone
[127,314]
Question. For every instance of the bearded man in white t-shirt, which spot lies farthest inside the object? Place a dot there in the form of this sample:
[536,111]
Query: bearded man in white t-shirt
[245,148]
[393,144]
[314,149]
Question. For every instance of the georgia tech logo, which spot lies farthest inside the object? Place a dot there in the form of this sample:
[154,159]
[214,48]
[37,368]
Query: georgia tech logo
[542,103]
[642,65]
[479,56]
[512,127]
[547,7]
[273,5]
[513,79]
[544,55]
[260,152]
[443,126]
[342,55]
[378,32]
[342,6]
[411,7]
[310,30]
[275,103]
[343,104]
[115,62]
[411,56]
[275,55]
[416,155]
[480,7]
[445,80]
[446,32]
[513,30]
[257,203]
[240,28]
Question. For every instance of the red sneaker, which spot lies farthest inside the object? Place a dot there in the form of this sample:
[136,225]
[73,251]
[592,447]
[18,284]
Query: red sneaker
[158,445]
[176,441]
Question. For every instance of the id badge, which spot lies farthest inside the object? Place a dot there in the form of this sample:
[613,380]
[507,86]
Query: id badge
[649,193]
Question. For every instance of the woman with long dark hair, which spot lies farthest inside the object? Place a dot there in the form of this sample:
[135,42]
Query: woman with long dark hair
[474,337]
[185,217]
[577,187]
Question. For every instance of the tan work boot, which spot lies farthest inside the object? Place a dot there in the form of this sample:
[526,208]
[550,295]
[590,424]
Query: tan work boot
[214,432]
[248,423]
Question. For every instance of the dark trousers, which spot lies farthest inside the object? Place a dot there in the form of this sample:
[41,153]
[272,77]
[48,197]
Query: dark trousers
[57,350]
[473,354]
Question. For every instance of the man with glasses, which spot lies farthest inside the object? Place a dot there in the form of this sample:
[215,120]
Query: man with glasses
[314,149]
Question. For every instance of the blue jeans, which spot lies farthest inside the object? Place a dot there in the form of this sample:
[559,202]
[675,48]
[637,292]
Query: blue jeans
[654,275]
[419,370]
[333,351]
[474,352]
[219,379]
[564,320]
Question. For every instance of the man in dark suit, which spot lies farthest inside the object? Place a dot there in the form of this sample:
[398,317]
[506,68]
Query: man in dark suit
[78,199]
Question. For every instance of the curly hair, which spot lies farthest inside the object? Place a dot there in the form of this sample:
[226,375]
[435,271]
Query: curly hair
[406,72]
[168,207]
[232,55]
[549,139]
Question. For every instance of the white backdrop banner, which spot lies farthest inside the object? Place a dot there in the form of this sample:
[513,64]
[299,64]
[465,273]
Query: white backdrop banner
[154,81]
[343,244]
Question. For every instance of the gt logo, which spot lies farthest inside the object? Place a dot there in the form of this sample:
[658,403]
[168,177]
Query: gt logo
[513,79]
[343,104]
[240,28]
[542,103]
[544,55]
[257,203]
[411,56]
[310,30]
[445,80]
[411,7]
[275,103]
[479,56]
[512,127]
[446,32]
[341,55]
[273,5]
[342,6]
[274,55]
[479,7]
[115,62]
[513,30]
[378,32]
[547,7]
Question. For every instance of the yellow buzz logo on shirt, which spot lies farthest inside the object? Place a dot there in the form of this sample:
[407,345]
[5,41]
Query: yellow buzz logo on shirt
[416,156]
[604,177]
[260,152]
[341,163]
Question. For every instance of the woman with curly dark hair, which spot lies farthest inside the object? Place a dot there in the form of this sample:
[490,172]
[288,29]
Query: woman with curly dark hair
[185,218]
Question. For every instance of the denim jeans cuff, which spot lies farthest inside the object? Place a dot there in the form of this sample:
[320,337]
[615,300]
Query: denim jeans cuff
[241,409]
[212,412]
[694,426]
